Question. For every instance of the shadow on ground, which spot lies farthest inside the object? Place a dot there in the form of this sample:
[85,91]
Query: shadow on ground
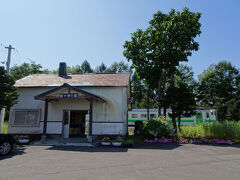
[220,145]
[88,149]
[19,150]
[174,146]
[156,146]
[115,149]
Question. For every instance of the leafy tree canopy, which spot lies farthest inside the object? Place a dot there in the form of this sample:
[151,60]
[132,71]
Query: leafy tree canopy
[8,93]
[101,68]
[120,67]
[181,100]
[156,51]
[75,69]
[86,67]
[180,94]
[25,69]
[139,92]
[185,75]
[219,87]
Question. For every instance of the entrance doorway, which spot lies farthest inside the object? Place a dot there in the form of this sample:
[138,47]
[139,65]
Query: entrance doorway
[74,123]
[199,118]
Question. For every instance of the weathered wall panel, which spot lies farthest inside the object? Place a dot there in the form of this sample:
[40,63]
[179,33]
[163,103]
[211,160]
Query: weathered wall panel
[114,110]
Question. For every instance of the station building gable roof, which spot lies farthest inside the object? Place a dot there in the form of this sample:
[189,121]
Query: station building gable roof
[98,80]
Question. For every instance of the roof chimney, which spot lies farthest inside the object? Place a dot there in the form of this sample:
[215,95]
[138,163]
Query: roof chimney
[62,69]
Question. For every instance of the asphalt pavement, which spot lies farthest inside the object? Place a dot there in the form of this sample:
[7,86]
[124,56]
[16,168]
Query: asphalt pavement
[170,162]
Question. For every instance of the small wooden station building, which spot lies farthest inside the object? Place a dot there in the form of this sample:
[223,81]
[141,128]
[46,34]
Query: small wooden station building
[71,105]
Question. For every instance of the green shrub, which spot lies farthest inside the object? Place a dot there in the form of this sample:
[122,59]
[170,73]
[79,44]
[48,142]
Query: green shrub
[156,128]
[118,139]
[128,143]
[106,139]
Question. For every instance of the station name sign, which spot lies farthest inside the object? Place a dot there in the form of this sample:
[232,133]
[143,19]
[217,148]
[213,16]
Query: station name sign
[68,95]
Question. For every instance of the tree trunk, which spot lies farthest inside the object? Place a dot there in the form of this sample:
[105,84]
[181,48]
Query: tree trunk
[165,111]
[179,123]
[174,124]
[147,104]
[159,110]
[159,97]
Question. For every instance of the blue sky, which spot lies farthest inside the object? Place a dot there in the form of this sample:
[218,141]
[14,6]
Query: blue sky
[50,31]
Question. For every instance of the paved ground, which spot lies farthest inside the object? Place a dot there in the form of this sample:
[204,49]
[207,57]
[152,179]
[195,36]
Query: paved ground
[187,162]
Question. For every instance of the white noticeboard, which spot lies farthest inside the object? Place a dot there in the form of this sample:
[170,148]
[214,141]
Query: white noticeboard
[2,113]
[108,128]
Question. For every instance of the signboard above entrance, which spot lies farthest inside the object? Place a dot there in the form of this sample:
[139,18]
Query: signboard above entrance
[68,95]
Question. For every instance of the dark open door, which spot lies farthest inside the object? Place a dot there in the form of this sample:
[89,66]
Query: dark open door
[77,123]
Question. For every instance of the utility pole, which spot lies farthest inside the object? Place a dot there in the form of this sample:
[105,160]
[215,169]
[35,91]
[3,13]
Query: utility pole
[2,110]
[8,58]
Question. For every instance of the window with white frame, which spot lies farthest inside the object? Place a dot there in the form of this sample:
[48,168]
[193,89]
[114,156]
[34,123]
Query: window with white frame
[27,117]
[134,115]
[143,115]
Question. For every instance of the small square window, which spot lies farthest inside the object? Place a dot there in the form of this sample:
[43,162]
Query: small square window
[207,114]
[134,116]
[32,118]
[143,115]
[152,116]
[20,117]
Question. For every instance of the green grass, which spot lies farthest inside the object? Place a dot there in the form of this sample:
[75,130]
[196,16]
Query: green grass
[228,129]
[5,128]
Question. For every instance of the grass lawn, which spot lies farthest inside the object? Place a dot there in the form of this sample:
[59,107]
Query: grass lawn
[5,127]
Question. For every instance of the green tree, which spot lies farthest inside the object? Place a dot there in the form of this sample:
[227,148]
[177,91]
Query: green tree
[138,90]
[86,67]
[139,94]
[101,68]
[8,93]
[25,69]
[182,102]
[74,70]
[181,94]
[185,75]
[219,88]
[120,67]
[156,51]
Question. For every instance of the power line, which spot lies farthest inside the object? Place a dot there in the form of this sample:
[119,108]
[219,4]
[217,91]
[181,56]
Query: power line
[16,57]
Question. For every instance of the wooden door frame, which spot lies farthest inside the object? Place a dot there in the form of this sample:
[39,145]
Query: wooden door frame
[69,110]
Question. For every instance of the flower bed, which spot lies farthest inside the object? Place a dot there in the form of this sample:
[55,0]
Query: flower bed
[187,140]
[159,131]
[163,140]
